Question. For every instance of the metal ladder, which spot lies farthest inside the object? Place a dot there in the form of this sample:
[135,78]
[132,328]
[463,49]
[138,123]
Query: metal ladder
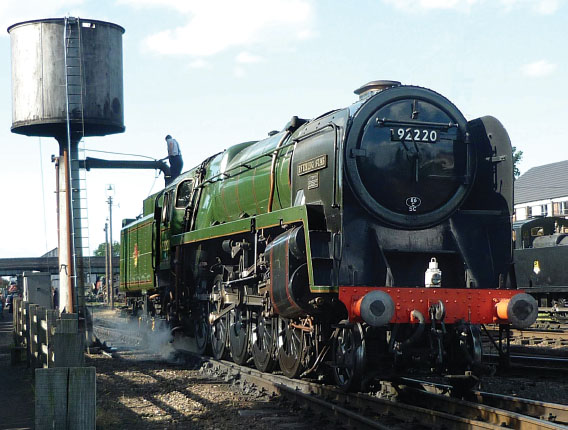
[74,87]
[74,77]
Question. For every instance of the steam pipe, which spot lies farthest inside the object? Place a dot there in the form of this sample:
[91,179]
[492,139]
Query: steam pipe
[416,314]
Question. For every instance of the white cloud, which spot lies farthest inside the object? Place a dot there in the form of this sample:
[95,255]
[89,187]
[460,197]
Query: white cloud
[198,63]
[414,5]
[183,6]
[14,11]
[547,7]
[247,58]
[239,72]
[213,27]
[538,69]
[544,7]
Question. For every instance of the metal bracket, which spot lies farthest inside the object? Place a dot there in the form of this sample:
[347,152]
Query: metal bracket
[498,158]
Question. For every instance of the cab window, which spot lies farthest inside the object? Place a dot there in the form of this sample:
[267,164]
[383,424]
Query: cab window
[167,208]
[184,193]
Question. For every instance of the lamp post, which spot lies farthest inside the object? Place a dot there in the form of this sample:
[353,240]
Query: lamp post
[110,193]
[107,299]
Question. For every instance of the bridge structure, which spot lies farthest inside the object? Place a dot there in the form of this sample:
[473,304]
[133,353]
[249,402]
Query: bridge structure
[16,266]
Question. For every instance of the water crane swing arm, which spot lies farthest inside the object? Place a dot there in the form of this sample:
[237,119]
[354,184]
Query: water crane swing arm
[98,163]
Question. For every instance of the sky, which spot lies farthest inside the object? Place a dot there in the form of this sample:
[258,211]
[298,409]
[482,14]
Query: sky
[216,73]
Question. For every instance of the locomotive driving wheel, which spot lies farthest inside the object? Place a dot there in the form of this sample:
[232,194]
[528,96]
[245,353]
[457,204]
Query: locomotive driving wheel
[201,329]
[349,356]
[219,328]
[239,329]
[471,344]
[465,352]
[263,342]
[291,348]
[219,335]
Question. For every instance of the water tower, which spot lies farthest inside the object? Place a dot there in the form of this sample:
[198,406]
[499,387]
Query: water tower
[67,84]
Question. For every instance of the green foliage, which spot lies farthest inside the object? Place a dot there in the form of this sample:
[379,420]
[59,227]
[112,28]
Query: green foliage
[517,157]
[100,251]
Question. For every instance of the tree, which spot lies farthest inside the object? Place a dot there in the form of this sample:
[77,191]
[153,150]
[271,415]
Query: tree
[517,157]
[100,251]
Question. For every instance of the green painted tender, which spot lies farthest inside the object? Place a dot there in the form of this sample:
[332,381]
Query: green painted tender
[136,255]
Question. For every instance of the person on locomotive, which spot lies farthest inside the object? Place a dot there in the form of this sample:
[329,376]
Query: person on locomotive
[174,158]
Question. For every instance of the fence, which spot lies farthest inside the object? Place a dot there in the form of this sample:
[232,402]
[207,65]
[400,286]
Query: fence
[49,340]
[65,393]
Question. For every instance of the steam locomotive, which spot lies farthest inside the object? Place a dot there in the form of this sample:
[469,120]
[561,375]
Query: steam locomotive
[370,239]
[541,252]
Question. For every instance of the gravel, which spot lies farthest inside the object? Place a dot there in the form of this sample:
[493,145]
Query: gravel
[546,389]
[136,392]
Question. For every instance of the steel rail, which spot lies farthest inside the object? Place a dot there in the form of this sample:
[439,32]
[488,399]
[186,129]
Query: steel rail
[547,411]
[475,411]
[543,410]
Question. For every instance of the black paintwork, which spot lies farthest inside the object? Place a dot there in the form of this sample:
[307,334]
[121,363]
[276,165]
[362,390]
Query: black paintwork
[464,222]
[541,253]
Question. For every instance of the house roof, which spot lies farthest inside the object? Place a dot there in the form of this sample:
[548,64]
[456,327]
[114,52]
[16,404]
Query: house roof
[542,182]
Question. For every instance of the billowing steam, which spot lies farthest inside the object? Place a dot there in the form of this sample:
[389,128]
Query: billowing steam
[150,338]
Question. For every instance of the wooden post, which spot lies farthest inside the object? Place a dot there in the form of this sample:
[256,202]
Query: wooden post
[26,327]
[41,337]
[82,398]
[51,317]
[51,398]
[16,320]
[65,398]
[68,342]
[32,324]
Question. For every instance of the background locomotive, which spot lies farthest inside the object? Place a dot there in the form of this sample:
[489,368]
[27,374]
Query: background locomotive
[541,253]
[373,237]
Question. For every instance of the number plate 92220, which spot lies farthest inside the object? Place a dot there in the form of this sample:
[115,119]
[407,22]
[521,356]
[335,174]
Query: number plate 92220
[409,134]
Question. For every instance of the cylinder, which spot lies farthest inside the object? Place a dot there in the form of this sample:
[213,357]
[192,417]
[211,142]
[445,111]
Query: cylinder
[59,68]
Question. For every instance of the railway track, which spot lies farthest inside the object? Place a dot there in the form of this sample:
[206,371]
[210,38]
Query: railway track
[402,403]
[551,335]
[540,349]
[412,404]
[553,315]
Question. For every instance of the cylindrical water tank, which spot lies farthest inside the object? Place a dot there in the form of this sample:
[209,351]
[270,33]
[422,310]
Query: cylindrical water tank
[90,87]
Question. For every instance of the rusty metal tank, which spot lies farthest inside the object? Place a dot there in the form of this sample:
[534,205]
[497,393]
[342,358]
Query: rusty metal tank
[67,64]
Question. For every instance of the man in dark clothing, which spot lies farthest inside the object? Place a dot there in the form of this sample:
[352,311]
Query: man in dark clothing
[174,157]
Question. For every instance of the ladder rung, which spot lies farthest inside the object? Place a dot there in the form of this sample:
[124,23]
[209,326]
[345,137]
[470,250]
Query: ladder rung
[73,71]
[73,61]
[74,80]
